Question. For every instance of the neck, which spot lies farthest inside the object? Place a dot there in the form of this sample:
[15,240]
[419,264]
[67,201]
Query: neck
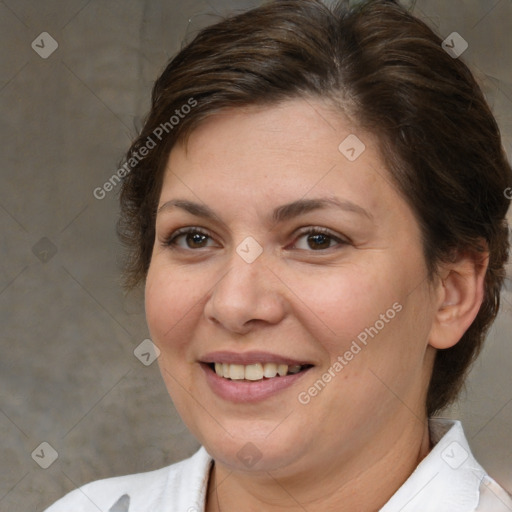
[364,482]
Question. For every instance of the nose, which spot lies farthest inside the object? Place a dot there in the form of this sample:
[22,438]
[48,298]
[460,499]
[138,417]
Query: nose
[248,295]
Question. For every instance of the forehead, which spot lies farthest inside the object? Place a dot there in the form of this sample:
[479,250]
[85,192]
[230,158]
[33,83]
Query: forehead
[297,126]
[299,148]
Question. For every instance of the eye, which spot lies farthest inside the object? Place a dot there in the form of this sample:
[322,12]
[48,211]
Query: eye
[189,238]
[317,239]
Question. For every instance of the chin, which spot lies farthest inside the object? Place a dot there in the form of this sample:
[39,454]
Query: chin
[253,450]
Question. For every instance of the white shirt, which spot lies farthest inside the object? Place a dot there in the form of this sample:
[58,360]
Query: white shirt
[448,479]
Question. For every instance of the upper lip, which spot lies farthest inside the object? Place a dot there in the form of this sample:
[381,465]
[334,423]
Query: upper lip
[245,358]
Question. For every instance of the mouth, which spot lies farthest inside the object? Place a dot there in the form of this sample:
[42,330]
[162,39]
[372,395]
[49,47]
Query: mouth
[251,377]
[256,371]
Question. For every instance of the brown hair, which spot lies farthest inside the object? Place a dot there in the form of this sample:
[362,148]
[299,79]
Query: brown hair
[389,72]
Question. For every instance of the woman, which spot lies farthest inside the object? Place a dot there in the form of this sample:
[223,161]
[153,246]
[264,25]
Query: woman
[316,207]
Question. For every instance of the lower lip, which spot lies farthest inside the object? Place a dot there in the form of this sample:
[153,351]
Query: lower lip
[244,391]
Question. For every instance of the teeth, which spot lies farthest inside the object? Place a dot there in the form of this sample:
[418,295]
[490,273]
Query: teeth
[254,371]
[282,369]
[236,372]
[270,370]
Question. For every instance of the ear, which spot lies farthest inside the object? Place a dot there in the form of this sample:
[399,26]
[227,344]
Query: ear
[459,294]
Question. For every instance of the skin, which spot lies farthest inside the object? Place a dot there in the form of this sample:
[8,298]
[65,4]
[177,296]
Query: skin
[354,444]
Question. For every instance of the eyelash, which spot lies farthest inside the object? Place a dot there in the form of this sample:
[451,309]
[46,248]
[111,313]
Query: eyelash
[170,241]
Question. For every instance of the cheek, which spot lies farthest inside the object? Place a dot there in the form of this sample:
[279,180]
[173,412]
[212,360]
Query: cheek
[169,304]
[370,305]
[343,302]
[171,315]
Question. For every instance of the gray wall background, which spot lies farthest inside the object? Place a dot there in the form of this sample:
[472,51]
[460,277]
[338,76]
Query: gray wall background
[68,374]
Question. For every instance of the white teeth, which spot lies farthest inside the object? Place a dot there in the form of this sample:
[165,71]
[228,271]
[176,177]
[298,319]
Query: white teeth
[254,371]
[269,370]
[236,371]
[282,369]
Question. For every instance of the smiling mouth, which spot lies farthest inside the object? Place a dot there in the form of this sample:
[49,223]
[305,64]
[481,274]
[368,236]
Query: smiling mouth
[257,371]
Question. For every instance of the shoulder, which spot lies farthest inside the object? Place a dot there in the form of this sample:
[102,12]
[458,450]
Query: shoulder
[493,498]
[182,485]
[449,478]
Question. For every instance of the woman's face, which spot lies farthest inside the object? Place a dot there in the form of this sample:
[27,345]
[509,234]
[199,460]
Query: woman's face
[299,251]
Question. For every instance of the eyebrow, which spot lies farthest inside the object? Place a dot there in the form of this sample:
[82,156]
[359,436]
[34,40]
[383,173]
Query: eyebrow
[280,214]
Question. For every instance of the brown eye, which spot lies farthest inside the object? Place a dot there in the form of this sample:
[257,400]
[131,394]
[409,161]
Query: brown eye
[317,239]
[189,238]
[195,240]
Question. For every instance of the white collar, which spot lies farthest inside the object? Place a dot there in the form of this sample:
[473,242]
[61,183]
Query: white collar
[446,480]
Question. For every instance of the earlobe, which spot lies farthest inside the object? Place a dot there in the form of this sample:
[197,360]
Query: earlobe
[460,292]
